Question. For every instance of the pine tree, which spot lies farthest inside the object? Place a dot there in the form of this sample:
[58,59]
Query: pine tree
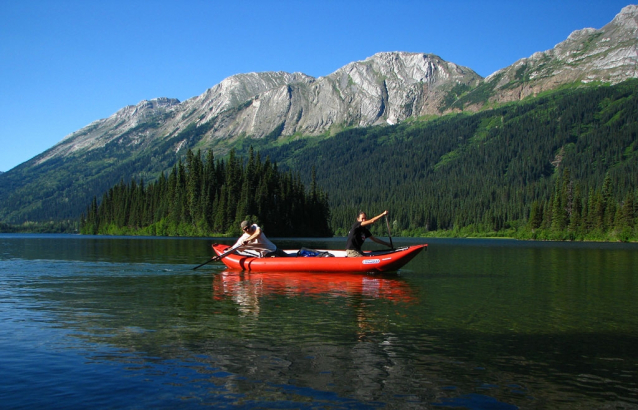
[535,216]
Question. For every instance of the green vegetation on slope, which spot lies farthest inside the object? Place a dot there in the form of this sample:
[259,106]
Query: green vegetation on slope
[481,174]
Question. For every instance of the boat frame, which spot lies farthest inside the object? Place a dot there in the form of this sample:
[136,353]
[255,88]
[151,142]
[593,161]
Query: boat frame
[373,261]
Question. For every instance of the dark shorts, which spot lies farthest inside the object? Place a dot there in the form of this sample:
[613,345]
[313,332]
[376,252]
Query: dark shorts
[277,252]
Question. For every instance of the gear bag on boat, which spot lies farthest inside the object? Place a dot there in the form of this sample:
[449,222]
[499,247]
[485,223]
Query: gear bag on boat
[312,253]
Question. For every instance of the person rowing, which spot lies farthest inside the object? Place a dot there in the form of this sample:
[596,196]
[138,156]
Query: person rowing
[359,232]
[253,238]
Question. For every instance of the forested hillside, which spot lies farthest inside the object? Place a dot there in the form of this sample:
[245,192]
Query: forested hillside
[486,172]
[211,197]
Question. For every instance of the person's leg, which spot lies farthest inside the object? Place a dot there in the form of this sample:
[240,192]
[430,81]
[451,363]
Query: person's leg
[277,252]
[353,253]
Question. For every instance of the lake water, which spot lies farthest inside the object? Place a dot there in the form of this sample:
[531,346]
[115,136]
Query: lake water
[111,322]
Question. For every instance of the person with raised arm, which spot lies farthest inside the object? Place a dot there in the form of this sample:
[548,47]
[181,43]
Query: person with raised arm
[359,232]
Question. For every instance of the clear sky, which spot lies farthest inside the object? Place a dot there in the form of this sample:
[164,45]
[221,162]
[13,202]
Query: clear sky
[67,63]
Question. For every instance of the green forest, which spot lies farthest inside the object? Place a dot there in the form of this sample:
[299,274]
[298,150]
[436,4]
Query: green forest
[206,197]
[560,166]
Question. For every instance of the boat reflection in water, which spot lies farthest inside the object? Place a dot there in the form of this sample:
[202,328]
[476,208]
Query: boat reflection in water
[249,286]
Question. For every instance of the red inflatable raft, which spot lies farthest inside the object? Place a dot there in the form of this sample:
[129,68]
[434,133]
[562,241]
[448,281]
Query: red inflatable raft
[374,261]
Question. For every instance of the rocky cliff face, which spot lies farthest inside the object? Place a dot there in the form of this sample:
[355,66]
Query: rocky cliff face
[385,88]
[99,133]
[607,55]
[138,125]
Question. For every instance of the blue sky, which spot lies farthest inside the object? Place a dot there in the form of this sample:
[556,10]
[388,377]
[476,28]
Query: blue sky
[67,63]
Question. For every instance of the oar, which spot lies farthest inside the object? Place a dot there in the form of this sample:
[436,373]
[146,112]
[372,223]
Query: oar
[388,225]
[211,260]
[216,258]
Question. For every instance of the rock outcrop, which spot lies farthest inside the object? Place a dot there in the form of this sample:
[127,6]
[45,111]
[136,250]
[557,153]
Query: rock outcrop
[608,55]
[383,89]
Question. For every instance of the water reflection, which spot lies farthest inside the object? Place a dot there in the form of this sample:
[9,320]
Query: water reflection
[334,304]
[253,285]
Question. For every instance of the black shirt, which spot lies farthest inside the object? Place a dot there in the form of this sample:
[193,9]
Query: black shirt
[357,236]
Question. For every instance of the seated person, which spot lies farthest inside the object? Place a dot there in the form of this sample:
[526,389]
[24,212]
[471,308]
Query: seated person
[255,239]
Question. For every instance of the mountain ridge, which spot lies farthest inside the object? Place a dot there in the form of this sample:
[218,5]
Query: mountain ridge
[609,55]
[387,88]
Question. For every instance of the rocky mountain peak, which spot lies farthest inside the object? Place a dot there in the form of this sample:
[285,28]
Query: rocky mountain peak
[609,55]
[385,88]
[628,17]
[409,67]
[147,108]
[401,84]
[238,89]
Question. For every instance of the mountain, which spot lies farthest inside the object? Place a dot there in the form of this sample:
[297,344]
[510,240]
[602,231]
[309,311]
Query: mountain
[143,140]
[608,55]
[270,108]
[385,88]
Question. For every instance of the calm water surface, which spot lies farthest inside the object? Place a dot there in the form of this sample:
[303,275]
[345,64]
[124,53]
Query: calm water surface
[108,322]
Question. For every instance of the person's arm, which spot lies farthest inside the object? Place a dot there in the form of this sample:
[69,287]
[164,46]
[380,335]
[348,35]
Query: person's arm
[373,220]
[239,243]
[380,241]
[254,235]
